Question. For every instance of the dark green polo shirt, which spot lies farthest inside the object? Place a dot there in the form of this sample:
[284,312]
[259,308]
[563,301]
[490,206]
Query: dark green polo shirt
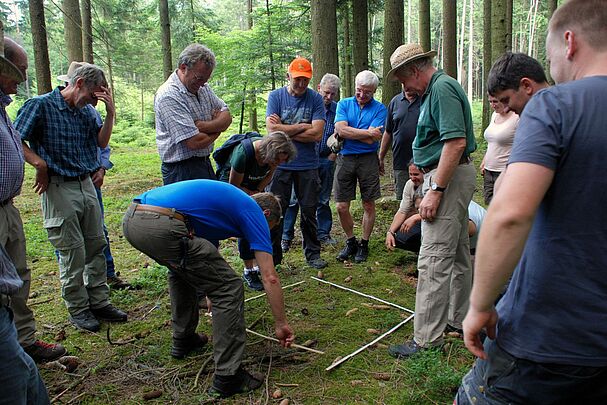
[444,114]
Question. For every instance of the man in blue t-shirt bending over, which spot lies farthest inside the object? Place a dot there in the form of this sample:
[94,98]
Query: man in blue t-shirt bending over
[174,225]
[547,227]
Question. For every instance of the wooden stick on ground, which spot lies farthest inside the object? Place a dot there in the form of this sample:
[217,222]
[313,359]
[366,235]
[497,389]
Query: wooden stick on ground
[284,288]
[295,345]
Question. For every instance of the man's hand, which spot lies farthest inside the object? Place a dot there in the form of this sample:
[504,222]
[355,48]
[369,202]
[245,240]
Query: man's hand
[97,177]
[482,167]
[390,241]
[42,179]
[284,334]
[375,133]
[382,168]
[106,96]
[408,224]
[274,119]
[429,205]
[474,322]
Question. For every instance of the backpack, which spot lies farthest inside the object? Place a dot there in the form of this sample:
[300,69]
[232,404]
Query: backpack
[222,154]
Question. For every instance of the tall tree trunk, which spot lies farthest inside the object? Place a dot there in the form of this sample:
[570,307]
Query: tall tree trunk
[193,21]
[450,37]
[270,50]
[460,45]
[43,71]
[509,11]
[87,32]
[424,25]
[393,37]
[72,23]
[532,51]
[409,32]
[324,39]
[360,35]
[110,70]
[471,52]
[487,60]
[552,6]
[253,93]
[165,24]
[499,32]
[346,85]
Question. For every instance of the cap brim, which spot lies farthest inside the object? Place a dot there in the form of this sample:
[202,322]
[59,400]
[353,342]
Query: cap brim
[63,78]
[301,74]
[10,71]
[391,74]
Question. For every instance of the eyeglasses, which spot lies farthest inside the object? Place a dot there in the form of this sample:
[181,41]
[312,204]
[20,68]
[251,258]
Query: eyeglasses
[364,92]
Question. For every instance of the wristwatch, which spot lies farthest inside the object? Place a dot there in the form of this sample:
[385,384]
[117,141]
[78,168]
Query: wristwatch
[436,187]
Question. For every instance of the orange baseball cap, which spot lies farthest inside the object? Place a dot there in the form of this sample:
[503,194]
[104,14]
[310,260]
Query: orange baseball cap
[300,67]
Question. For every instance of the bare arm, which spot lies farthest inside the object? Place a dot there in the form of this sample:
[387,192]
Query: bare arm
[236,180]
[103,138]
[220,122]
[42,178]
[201,140]
[313,134]
[273,123]
[271,284]
[370,135]
[449,160]
[386,140]
[501,242]
[266,180]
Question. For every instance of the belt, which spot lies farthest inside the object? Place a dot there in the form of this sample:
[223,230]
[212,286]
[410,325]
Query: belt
[169,212]
[72,178]
[5,202]
[462,161]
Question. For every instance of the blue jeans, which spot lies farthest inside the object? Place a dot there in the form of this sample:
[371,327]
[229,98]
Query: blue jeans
[504,378]
[326,171]
[107,252]
[288,232]
[20,382]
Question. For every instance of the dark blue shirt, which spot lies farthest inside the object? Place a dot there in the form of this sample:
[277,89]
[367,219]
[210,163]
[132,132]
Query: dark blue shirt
[401,122]
[298,110]
[555,309]
[330,110]
[216,210]
[64,137]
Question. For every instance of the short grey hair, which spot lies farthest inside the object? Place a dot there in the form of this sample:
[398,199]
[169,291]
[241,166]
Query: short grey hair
[269,201]
[195,53]
[420,64]
[330,80]
[92,75]
[275,143]
[367,78]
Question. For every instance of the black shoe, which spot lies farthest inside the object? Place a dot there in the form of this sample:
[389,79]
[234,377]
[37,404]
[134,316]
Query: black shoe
[327,241]
[85,320]
[362,253]
[225,386]
[42,352]
[317,263]
[454,332]
[285,245]
[348,251]
[405,350]
[116,283]
[109,313]
[183,346]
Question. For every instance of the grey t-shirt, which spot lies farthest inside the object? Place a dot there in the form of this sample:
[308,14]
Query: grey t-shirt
[555,309]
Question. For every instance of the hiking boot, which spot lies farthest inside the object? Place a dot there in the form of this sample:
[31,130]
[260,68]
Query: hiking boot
[405,350]
[327,241]
[183,346]
[349,250]
[452,331]
[85,320]
[116,283]
[42,352]
[317,263]
[225,386]
[362,253]
[252,280]
[109,313]
[285,245]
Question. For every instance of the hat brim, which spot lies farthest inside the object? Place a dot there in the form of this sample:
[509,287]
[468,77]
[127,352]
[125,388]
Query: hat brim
[391,74]
[300,74]
[63,78]
[9,70]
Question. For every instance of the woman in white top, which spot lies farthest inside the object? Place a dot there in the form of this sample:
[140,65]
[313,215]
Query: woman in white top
[500,136]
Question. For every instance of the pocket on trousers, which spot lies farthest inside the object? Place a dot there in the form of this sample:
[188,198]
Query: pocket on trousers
[59,235]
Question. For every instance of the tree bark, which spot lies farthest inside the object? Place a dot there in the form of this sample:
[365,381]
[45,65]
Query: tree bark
[499,31]
[393,37]
[460,45]
[270,50]
[324,39]
[471,53]
[450,38]
[509,11]
[360,35]
[72,23]
[346,86]
[165,24]
[43,71]
[487,60]
[253,93]
[87,32]
[424,24]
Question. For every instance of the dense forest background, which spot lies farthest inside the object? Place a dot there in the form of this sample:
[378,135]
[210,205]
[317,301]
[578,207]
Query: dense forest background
[137,42]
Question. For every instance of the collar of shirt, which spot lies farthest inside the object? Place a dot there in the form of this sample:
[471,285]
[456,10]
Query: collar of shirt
[332,107]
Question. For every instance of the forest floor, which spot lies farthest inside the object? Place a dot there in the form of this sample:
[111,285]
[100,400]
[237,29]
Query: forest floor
[127,363]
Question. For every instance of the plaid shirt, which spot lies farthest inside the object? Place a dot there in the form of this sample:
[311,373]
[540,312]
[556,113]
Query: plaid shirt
[176,110]
[11,154]
[65,138]
[324,151]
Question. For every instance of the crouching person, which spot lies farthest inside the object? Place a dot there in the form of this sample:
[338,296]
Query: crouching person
[173,225]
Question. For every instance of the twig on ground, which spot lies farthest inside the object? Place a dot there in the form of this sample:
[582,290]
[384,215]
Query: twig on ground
[76,397]
[126,342]
[286,385]
[256,321]
[72,385]
[267,379]
[31,304]
[295,345]
[284,288]
[204,364]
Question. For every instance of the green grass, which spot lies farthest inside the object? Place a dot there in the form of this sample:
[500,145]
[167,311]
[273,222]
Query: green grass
[123,373]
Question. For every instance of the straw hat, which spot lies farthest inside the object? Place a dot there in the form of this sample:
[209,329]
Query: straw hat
[70,71]
[7,68]
[405,54]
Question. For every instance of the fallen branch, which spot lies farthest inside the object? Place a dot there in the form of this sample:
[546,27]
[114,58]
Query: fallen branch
[284,288]
[72,385]
[31,304]
[117,343]
[349,356]
[286,385]
[207,361]
[363,294]
[295,345]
